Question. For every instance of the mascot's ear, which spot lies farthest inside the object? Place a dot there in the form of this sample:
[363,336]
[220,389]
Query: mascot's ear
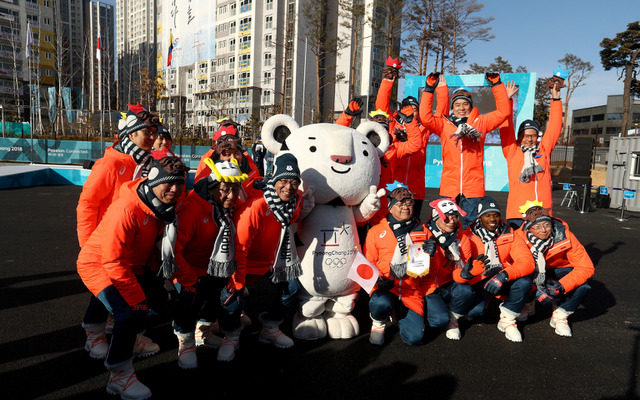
[377,134]
[276,130]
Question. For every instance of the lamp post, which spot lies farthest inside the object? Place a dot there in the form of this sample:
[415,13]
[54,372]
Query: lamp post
[2,109]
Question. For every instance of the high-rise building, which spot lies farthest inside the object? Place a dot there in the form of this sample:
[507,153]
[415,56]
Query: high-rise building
[136,50]
[249,59]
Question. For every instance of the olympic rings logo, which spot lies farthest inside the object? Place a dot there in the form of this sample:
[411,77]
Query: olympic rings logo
[335,262]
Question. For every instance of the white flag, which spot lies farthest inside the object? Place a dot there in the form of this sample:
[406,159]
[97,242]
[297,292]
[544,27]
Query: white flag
[27,51]
[98,46]
[363,272]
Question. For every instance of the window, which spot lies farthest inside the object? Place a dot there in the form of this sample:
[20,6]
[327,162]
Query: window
[267,78]
[47,56]
[202,67]
[245,42]
[268,22]
[245,5]
[267,59]
[268,41]
[214,63]
[232,45]
[232,79]
[232,27]
[266,96]
[598,117]
[634,171]
[614,116]
[582,119]
[232,62]
[245,60]
[269,4]
[190,74]
[232,9]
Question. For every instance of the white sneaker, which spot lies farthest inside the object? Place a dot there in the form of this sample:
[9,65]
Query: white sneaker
[560,323]
[187,357]
[507,324]
[453,331]
[96,343]
[207,335]
[124,382]
[230,344]
[377,332]
[144,347]
[271,334]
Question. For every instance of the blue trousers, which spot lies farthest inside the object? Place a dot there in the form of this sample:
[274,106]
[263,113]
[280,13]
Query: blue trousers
[517,293]
[128,323]
[571,300]
[453,296]
[411,324]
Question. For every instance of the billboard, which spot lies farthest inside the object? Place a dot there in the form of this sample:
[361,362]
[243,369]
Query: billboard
[193,26]
[495,166]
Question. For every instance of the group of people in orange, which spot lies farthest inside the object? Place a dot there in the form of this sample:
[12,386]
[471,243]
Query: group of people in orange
[138,229]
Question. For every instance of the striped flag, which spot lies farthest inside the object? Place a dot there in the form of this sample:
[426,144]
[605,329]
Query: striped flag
[170,49]
[27,51]
[98,55]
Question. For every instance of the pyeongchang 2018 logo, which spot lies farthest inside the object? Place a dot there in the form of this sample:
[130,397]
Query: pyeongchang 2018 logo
[331,237]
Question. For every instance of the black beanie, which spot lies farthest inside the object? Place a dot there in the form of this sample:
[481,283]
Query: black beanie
[528,124]
[285,167]
[166,170]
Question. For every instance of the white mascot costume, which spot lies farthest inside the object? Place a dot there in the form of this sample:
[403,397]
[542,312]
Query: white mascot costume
[341,167]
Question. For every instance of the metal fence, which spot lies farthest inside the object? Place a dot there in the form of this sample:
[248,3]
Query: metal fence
[565,153]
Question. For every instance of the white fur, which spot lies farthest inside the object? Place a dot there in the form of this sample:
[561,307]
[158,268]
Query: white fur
[341,164]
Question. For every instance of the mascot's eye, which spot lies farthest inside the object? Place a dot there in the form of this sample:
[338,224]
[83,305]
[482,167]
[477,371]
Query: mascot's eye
[313,149]
[366,153]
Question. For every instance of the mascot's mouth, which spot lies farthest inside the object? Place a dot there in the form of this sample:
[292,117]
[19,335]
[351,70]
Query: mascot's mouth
[340,172]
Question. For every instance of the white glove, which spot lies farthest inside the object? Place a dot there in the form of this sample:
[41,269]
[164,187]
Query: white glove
[308,202]
[370,205]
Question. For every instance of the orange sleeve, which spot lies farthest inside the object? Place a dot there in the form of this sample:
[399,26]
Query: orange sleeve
[344,119]
[508,135]
[583,268]
[186,232]
[383,99]
[523,263]
[98,186]
[247,223]
[554,128]
[414,141]
[433,123]
[119,232]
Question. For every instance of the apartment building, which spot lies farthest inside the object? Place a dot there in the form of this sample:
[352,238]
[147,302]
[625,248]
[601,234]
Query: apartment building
[604,122]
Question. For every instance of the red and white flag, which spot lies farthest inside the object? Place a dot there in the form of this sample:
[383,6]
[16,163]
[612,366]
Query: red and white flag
[98,55]
[363,272]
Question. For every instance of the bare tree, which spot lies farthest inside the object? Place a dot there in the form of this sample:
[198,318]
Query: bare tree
[355,17]
[322,45]
[579,72]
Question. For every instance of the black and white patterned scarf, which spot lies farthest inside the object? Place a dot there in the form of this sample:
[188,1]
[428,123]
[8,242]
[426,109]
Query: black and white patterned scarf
[142,157]
[167,214]
[401,230]
[464,130]
[287,265]
[530,166]
[538,248]
[490,246]
[448,242]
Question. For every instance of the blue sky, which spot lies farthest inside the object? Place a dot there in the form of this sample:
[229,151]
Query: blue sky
[536,34]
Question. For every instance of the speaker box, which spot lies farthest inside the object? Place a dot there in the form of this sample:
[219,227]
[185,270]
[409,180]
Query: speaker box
[582,156]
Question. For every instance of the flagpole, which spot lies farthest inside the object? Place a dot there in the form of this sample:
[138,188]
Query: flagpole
[99,57]
[28,54]
[169,78]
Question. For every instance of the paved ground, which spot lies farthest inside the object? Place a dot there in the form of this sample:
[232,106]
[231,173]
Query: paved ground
[42,301]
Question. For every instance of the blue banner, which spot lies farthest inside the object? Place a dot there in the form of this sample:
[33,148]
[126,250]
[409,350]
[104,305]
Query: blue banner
[66,97]
[52,102]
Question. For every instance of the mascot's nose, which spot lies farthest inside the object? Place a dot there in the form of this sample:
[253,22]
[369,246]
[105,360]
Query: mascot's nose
[341,159]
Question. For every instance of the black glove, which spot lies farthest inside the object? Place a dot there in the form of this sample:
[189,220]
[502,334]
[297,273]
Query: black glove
[493,78]
[552,290]
[494,284]
[385,284]
[474,267]
[230,294]
[405,115]
[429,246]
[355,107]
[432,81]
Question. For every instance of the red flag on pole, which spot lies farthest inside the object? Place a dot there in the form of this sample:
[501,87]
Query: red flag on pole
[170,49]
[98,55]
[363,272]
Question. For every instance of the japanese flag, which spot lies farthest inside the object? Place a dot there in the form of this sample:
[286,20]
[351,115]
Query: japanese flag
[363,272]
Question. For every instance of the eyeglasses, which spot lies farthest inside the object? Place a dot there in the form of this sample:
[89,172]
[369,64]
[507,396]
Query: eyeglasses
[230,189]
[541,226]
[405,203]
[293,182]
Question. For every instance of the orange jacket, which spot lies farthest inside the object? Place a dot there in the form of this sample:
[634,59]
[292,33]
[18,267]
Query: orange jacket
[539,187]
[514,254]
[120,247]
[442,269]
[462,161]
[102,188]
[566,251]
[197,232]
[257,238]
[379,248]
[203,171]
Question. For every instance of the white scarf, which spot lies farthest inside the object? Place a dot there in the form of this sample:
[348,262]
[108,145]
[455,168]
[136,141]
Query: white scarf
[538,248]
[530,166]
[490,246]
[167,243]
[222,262]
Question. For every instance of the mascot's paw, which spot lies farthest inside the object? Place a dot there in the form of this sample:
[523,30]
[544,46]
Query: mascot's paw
[309,328]
[342,326]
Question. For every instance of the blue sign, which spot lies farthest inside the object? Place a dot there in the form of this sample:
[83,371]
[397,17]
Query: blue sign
[604,190]
[629,194]
[566,186]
